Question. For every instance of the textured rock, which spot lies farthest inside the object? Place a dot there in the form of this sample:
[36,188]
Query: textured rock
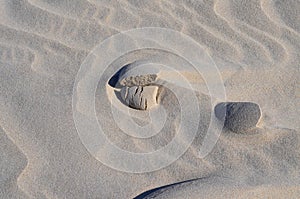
[136,81]
[239,116]
[140,80]
[139,97]
[138,73]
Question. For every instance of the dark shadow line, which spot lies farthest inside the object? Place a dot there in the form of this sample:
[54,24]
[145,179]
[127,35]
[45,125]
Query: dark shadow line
[151,191]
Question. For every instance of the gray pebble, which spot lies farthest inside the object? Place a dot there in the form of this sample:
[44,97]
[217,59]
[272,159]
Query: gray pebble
[239,116]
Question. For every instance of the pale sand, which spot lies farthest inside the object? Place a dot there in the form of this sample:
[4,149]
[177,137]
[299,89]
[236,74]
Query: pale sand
[255,44]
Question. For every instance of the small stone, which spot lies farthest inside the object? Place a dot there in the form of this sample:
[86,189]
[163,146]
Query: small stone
[239,116]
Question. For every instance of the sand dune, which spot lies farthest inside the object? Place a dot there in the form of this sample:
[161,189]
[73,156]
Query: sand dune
[255,45]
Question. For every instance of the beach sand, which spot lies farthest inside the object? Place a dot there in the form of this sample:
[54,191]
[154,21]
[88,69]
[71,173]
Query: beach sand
[255,45]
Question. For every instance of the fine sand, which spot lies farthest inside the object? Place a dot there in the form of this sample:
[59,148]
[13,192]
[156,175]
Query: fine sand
[256,47]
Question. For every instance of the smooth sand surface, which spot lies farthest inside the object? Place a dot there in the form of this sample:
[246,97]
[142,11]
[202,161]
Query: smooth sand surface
[255,44]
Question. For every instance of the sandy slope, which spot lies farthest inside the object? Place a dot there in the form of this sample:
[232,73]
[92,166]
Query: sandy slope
[255,44]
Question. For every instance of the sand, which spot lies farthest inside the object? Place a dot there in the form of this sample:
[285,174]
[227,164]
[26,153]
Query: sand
[254,44]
